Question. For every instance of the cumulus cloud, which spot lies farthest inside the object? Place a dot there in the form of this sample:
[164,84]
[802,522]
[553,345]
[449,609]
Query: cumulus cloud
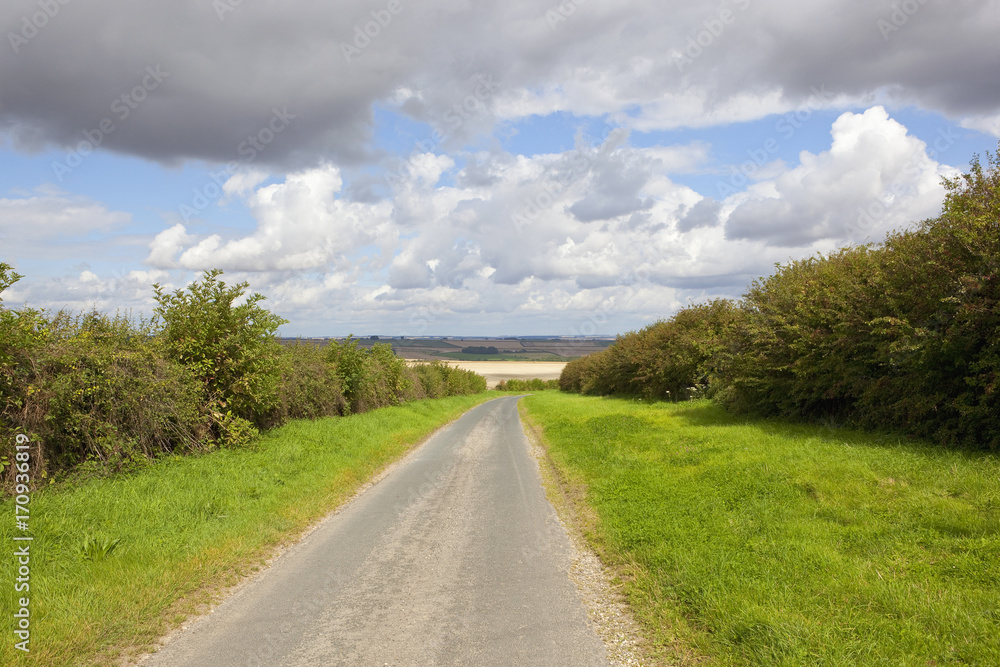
[703,214]
[875,177]
[301,225]
[506,234]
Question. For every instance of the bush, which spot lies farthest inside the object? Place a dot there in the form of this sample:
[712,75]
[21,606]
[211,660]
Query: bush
[576,371]
[99,389]
[22,334]
[938,336]
[231,349]
[100,393]
[804,345]
[308,386]
[667,360]
[372,378]
[901,336]
[438,379]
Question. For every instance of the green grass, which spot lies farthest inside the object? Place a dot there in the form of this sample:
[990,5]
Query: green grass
[117,562]
[764,542]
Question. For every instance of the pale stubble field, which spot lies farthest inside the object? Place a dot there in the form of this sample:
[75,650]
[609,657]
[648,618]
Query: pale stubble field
[495,371]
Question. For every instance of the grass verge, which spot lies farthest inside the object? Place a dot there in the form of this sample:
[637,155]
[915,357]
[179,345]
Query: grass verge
[763,542]
[118,562]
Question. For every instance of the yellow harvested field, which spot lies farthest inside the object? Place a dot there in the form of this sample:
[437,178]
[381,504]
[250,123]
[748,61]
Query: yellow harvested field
[494,371]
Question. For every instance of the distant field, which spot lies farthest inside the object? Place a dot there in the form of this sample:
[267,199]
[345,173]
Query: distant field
[508,349]
[761,542]
[495,371]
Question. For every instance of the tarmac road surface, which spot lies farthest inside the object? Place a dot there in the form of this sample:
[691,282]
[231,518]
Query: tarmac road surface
[454,558]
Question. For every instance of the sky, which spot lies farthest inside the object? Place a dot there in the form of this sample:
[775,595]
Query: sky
[473,167]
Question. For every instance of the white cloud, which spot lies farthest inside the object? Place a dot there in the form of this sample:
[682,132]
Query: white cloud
[55,215]
[86,290]
[985,124]
[593,240]
[55,225]
[876,177]
[554,234]
[244,181]
[301,225]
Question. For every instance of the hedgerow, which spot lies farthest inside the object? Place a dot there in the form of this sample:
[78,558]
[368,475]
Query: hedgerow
[437,379]
[903,335]
[105,393]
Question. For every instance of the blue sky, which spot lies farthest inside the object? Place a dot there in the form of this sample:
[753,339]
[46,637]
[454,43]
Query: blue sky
[497,169]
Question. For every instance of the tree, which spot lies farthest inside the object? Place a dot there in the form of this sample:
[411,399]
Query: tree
[232,349]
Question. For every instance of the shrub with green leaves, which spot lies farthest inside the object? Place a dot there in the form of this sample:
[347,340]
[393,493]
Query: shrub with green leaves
[667,360]
[309,386]
[438,379]
[96,389]
[109,394]
[22,333]
[98,393]
[940,334]
[232,349]
[805,345]
[371,378]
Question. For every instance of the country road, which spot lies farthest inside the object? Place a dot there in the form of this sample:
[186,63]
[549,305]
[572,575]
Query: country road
[454,558]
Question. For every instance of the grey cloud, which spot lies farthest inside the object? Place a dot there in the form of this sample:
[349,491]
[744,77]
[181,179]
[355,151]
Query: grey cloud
[705,213]
[222,78]
[481,170]
[228,74]
[409,275]
[730,283]
[617,178]
[365,188]
[779,222]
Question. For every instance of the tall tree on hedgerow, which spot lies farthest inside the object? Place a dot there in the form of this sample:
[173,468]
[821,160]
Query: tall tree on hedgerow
[232,349]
